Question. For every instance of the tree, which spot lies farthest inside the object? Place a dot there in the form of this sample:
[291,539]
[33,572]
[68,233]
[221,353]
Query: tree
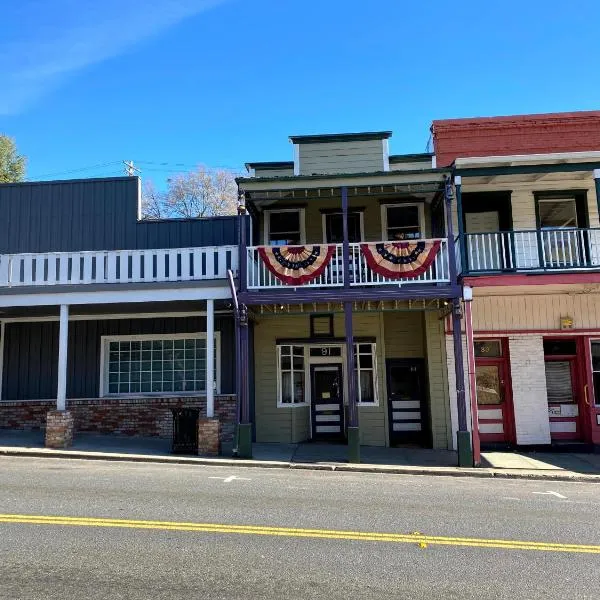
[200,193]
[12,165]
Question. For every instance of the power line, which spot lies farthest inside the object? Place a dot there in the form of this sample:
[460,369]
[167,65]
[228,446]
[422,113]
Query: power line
[79,170]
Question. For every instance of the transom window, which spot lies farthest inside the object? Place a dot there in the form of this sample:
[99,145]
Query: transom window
[403,221]
[157,364]
[284,227]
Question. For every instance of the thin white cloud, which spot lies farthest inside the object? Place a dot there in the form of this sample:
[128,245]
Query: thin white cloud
[43,54]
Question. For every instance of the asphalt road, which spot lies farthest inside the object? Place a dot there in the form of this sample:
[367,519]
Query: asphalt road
[105,559]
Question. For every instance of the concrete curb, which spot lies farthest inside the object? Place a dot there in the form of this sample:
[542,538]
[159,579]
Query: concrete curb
[481,472]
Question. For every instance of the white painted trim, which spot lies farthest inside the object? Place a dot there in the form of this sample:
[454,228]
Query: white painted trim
[210,359]
[106,339]
[596,173]
[116,296]
[267,223]
[434,162]
[296,159]
[361,223]
[63,350]
[557,157]
[392,204]
[457,180]
[386,154]
[116,316]
[139,199]
[2,335]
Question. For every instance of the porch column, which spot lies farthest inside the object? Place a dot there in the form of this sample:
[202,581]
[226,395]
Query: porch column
[468,300]
[597,182]
[59,422]
[353,428]
[462,242]
[463,436]
[210,359]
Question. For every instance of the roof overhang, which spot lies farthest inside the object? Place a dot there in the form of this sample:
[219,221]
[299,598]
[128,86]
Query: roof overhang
[340,137]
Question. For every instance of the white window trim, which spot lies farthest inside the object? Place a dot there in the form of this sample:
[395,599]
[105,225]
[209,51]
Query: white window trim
[374,371]
[307,399]
[324,223]
[384,225]
[106,339]
[267,222]
[320,360]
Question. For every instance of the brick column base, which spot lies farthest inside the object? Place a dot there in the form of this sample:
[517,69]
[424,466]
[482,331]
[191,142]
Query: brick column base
[59,429]
[208,437]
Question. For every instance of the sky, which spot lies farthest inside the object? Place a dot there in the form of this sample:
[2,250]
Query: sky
[170,84]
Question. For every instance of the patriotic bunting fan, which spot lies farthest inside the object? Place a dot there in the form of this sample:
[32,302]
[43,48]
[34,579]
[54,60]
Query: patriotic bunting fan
[295,265]
[400,259]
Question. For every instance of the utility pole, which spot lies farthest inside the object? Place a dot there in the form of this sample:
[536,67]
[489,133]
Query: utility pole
[130,169]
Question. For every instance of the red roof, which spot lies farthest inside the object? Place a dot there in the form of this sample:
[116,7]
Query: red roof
[517,134]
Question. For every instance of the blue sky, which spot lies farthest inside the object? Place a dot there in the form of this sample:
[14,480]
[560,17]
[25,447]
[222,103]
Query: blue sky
[222,82]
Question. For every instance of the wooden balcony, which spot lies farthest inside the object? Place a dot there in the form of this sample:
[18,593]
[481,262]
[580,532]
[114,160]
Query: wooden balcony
[117,267]
[531,250]
[361,274]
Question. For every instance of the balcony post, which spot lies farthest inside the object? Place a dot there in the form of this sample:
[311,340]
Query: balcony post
[210,359]
[242,242]
[353,428]
[597,182]
[461,229]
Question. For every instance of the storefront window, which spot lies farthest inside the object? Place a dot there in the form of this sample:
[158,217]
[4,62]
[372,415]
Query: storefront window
[364,356]
[291,375]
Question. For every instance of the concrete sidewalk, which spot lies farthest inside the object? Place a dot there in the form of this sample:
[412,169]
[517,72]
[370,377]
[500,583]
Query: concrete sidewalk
[331,457]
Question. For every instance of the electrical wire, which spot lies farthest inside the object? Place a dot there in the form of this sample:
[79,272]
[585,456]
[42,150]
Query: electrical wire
[80,170]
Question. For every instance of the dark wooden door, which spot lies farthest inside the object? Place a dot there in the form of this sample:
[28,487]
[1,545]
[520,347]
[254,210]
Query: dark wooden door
[327,405]
[407,402]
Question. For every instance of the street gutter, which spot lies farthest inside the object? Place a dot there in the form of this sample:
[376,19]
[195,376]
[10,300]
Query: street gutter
[481,472]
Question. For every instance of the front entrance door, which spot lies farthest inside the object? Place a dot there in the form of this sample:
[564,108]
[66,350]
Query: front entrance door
[327,406]
[407,404]
[565,402]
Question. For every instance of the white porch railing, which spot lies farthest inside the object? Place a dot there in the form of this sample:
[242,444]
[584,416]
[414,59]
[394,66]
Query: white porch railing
[532,250]
[117,266]
[260,277]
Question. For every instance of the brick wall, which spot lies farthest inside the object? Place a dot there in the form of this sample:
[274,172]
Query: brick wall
[529,389]
[519,134]
[122,416]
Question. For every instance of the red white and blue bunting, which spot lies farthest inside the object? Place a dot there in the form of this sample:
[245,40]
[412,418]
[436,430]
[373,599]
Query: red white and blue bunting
[295,265]
[400,260]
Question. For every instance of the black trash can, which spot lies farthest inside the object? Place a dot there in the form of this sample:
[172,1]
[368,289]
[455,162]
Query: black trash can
[185,430]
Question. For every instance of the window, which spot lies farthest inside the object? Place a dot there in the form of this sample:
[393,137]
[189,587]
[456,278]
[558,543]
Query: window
[488,349]
[557,213]
[402,221]
[291,375]
[596,370]
[321,326]
[284,227]
[364,357]
[334,227]
[149,364]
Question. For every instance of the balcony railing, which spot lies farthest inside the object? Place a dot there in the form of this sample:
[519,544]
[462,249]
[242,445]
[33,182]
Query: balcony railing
[531,250]
[118,266]
[260,277]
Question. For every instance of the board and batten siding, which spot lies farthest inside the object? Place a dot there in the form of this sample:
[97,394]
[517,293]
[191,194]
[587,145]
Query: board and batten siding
[95,214]
[292,424]
[31,353]
[536,312]
[359,156]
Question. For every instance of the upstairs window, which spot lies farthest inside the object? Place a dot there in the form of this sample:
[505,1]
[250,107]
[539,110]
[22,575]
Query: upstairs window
[402,222]
[558,213]
[284,227]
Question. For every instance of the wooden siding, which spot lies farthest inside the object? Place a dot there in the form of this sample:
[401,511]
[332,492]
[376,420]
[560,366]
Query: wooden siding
[341,157]
[31,353]
[536,312]
[95,214]
[273,172]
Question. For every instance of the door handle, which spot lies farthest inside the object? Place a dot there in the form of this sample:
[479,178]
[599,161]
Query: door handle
[585,394]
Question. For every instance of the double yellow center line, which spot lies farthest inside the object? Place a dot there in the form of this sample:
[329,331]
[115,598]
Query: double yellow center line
[332,534]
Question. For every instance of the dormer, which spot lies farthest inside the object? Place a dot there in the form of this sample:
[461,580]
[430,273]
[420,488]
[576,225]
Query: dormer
[331,154]
[270,169]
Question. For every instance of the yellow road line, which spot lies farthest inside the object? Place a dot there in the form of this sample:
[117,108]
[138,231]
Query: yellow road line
[398,538]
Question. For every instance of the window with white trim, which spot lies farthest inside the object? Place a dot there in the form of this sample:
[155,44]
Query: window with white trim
[292,379]
[403,221]
[151,364]
[364,373]
[284,227]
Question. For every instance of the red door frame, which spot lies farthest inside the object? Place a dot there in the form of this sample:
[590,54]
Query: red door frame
[580,388]
[591,430]
[508,416]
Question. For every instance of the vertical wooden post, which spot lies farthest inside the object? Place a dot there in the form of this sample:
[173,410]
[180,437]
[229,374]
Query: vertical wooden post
[468,299]
[353,427]
[462,240]
[597,182]
[63,345]
[210,359]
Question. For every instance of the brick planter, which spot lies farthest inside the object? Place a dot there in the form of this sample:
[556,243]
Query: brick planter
[59,429]
[149,417]
[208,437]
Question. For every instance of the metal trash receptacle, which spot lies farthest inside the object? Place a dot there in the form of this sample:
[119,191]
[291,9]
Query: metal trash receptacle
[185,430]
